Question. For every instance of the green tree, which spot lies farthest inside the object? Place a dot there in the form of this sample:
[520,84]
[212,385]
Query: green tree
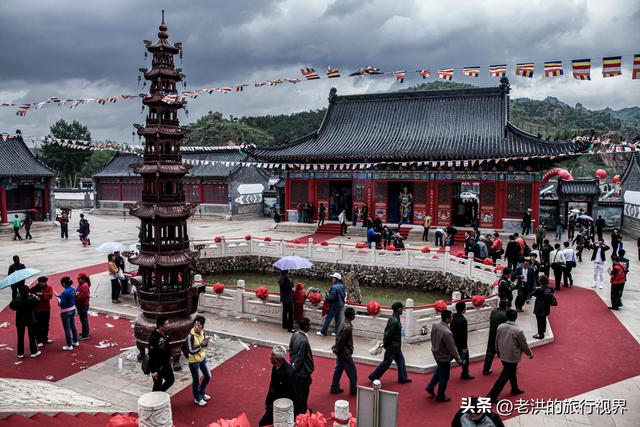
[69,162]
[96,161]
[213,129]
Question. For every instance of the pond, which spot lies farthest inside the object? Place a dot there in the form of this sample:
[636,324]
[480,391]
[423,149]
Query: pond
[384,296]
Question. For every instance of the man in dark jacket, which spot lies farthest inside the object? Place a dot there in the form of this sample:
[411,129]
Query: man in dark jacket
[498,316]
[282,385]
[475,413]
[505,287]
[23,304]
[545,252]
[160,356]
[17,265]
[526,222]
[286,299]
[301,359]
[392,343]
[542,306]
[512,253]
[343,349]
[119,260]
[444,349]
[600,225]
[526,280]
[459,329]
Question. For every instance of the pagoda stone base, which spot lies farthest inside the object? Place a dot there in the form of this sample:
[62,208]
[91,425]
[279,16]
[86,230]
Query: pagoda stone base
[179,328]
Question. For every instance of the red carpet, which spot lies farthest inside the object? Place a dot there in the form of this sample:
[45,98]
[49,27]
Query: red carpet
[54,363]
[317,238]
[59,420]
[592,349]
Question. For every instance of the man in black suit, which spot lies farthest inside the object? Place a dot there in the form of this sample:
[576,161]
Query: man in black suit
[526,281]
[512,253]
[600,224]
[282,385]
[17,265]
[505,288]
[459,328]
[301,359]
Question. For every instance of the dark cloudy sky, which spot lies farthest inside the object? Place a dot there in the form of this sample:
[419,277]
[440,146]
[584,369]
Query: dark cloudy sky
[77,49]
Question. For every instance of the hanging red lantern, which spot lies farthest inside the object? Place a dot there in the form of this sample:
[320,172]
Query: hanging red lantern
[488,261]
[262,293]
[325,243]
[425,250]
[460,254]
[247,237]
[601,174]
[373,308]
[440,306]
[391,248]
[267,239]
[217,239]
[218,288]
[478,301]
[616,179]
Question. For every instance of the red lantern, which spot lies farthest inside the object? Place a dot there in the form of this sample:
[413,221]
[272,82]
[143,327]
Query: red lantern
[325,243]
[425,250]
[247,237]
[460,254]
[267,239]
[217,239]
[218,288]
[123,420]
[601,174]
[311,420]
[262,293]
[478,301]
[315,298]
[373,308]
[240,421]
[361,245]
[487,261]
[440,306]
[616,179]
[391,248]
[498,268]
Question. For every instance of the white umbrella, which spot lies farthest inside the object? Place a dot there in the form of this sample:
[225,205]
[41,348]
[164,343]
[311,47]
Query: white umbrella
[18,276]
[292,263]
[111,247]
[587,217]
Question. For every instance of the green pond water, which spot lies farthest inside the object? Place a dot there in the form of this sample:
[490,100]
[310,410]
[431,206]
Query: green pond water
[384,296]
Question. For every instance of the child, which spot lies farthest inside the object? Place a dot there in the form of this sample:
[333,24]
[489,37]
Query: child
[299,296]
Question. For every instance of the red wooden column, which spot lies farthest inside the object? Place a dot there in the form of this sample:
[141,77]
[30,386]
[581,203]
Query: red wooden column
[201,191]
[3,203]
[501,203]
[121,191]
[287,198]
[312,196]
[46,202]
[432,196]
[535,203]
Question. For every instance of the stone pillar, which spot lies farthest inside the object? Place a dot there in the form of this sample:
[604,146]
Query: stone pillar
[238,299]
[310,248]
[197,279]
[223,245]
[447,253]
[409,319]
[456,296]
[470,259]
[341,413]
[154,410]
[283,413]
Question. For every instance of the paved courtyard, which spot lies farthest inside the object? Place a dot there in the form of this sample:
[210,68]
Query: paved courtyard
[119,382]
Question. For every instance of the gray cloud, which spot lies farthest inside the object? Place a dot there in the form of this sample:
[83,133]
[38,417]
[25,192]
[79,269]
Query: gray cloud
[89,49]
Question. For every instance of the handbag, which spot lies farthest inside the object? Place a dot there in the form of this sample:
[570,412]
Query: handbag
[120,274]
[376,349]
[146,365]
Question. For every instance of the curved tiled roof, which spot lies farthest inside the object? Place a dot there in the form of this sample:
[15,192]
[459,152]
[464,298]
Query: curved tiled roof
[421,125]
[587,187]
[17,160]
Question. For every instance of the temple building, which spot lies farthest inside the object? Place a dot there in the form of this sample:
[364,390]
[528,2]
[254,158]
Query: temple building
[217,183]
[26,184]
[630,183]
[451,154]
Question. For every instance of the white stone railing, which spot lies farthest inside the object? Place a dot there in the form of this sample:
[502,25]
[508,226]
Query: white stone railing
[341,253]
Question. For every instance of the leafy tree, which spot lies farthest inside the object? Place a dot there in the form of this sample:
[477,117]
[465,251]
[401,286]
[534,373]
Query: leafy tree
[287,127]
[96,162]
[213,129]
[69,162]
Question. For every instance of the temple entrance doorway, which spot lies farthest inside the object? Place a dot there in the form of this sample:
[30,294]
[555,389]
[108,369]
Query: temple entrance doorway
[340,197]
[396,197]
[465,204]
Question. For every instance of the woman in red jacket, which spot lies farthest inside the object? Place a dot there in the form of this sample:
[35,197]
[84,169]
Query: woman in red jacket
[42,310]
[82,304]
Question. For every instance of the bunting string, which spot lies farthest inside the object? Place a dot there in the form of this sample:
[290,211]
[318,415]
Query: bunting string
[580,69]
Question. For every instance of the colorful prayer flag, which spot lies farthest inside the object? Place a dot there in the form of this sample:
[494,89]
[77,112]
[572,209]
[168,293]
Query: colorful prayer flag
[294,81]
[332,72]
[445,74]
[101,101]
[525,69]
[424,73]
[611,66]
[240,87]
[635,73]
[223,89]
[373,70]
[498,70]
[359,72]
[553,69]
[256,84]
[309,73]
[274,82]
[581,69]
[471,71]
[399,75]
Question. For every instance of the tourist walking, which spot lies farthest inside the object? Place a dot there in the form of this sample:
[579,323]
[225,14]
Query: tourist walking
[84,229]
[27,223]
[559,226]
[625,263]
[342,219]
[569,264]
[322,212]
[42,310]
[17,265]
[512,253]
[23,304]
[496,248]
[476,414]
[343,349]
[600,225]
[497,317]
[618,277]
[510,344]
[580,243]
[459,329]
[557,264]
[64,225]
[197,342]
[82,304]
[335,298]
[355,212]
[542,305]
[160,355]
[67,303]
[282,384]
[505,287]
[616,241]
[119,260]
[299,297]
[540,235]
[526,222]
[526,281]
[444,350]
[301,359]
[286,299]
[427,225]
[392,343]
[545,252]
[16,224]
[113,276]
[598,257]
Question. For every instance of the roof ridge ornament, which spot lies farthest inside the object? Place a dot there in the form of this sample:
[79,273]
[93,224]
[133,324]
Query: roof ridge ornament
[333,93]
[504,84]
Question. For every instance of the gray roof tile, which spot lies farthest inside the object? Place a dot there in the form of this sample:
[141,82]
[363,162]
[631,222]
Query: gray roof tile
[17,160]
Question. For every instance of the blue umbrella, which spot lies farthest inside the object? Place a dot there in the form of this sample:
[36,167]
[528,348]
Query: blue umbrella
[292,263]
[18,276]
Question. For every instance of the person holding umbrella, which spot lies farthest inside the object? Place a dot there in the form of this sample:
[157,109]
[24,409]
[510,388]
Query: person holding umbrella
[23,304]
[286,299]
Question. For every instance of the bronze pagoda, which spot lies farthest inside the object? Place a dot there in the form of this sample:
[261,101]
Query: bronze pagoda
[165,259]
